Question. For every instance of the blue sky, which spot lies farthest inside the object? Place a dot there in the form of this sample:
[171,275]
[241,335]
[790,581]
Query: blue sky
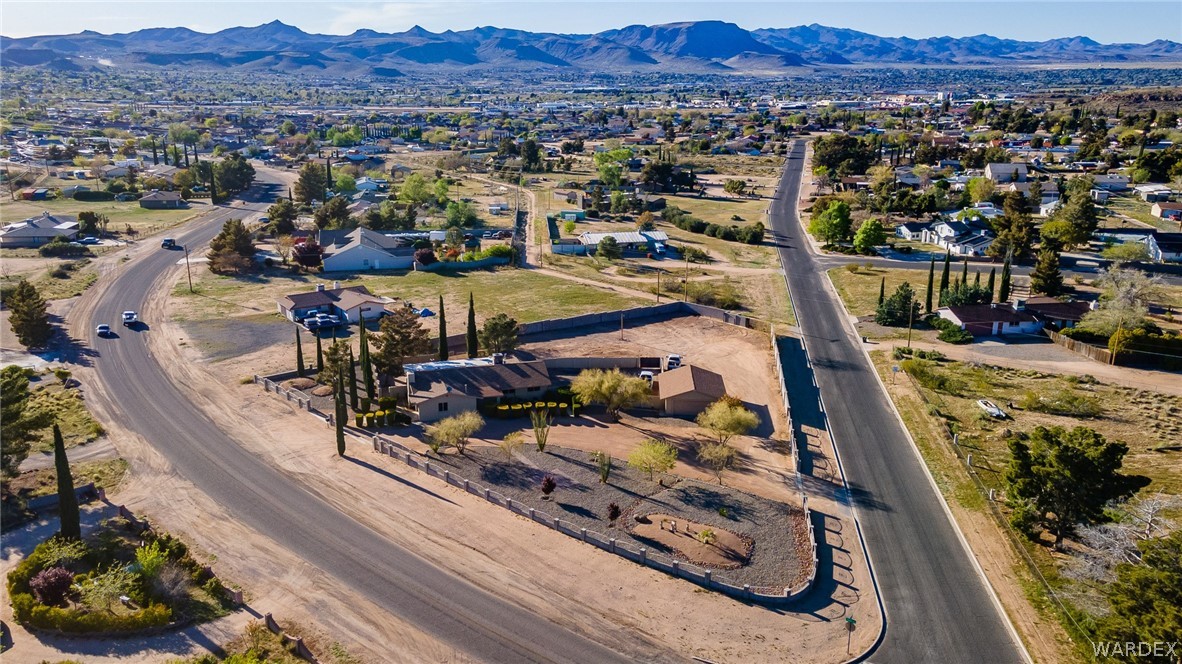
[1033,20]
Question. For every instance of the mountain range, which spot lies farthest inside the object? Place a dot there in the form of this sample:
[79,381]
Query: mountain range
[691,47]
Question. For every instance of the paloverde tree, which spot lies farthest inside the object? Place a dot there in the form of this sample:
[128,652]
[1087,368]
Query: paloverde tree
[1063,478]
[499,334]
[718,456]
[727,418]
[471,336]
[71,524]
[613,389]
[28,315]
[653,456]
[455,431]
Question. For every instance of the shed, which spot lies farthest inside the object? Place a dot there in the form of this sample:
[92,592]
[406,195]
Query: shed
[688,390]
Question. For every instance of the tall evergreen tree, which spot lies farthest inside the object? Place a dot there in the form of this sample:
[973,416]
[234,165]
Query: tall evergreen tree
[442,331]
[1003,291]
[927,302]
[340,413]
[300,368]
[473,342]
[354,402]
[319,354]
[964,273]
[366,364]
[881,291]
[990,284]
[71,522]
[28,315]
[977,279]
[1046,277]
[944,276]
[327,177]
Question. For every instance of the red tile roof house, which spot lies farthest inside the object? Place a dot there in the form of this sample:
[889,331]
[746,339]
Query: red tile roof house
[1021,317]
[991,320]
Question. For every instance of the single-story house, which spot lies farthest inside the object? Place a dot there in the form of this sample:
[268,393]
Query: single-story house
[911,230]
[1169,246]
[36,231]
[1006,172]
[362,249]
[159,200]
[1165,210]
[352,304]
[962,238]
[1111,182]
[687,390]
[1057,314]
[113,171]
[628,240]
[370,184]
[993,319]
[436,390]
[1152,193]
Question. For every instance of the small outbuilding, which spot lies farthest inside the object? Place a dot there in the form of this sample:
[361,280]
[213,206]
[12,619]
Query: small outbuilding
[688,390]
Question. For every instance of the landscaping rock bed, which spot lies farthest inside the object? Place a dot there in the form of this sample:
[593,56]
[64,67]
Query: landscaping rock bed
[780,554]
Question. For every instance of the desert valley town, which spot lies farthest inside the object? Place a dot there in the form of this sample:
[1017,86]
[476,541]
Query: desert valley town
[589,332]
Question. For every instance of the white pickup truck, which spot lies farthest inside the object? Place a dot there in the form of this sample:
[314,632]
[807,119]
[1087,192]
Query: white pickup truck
[130,318]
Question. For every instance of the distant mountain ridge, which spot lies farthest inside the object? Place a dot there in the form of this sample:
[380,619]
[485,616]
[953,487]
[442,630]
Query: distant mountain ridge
[688,47]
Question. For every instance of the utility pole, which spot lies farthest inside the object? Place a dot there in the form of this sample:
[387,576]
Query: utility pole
[910,320]
[187,270]
[685,291]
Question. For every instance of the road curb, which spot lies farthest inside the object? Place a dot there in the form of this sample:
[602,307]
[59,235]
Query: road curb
[841,469]
[932,481]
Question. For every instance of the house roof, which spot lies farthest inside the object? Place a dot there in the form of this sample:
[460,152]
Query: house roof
[1170,243]
[990,313]
[335,242]
[625,237]
[157,195]
[337,296]
[483,381]
[689,379]
[1049,307]
[41,226]
[1162,205]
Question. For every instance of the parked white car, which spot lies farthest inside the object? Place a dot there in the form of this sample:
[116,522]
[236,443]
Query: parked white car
[991,408]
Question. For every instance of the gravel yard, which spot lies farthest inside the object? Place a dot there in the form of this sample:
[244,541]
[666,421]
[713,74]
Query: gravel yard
[781,550]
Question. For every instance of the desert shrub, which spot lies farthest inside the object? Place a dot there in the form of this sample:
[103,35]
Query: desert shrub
[60,246]
[51,586]
[171,584]
[927,376]
[955,336]
[94,196]
[1066,403]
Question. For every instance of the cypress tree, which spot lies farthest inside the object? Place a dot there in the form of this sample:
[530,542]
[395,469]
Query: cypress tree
[977,279]
[1003,291]
[319,354]
[300,369]
[881,291]
[990,284]
[155,155]
[473,341]
[353,401]
[366,366]
[927,302]
[944,276]
[340,413]
[964,274]
[71,523]
[327,177]
[442,331]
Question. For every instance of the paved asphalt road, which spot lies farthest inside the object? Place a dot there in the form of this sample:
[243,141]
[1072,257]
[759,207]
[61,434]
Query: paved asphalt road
[475,622]
[938,608]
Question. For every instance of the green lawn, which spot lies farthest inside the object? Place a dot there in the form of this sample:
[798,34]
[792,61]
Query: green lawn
[527,296]
[859,290]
